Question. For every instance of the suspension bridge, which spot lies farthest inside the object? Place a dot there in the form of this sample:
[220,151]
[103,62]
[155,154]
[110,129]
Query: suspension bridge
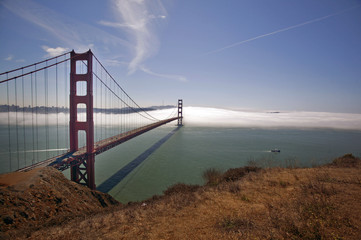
[65,110]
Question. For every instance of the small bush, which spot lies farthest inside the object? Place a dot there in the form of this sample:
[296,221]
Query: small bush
[348,160]
[229,187]
[245,198]
[235,174]
[181,195]
[212,176]
[180,188]
[283,184]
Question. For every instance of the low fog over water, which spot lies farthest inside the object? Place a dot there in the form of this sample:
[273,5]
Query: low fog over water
[209,117]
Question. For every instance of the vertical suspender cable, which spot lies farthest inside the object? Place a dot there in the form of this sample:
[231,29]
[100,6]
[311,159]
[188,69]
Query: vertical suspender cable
[16,121]
[46,110]
[105,106]
[32,117]
[112,106]
[128,112]
[36,116]
[57,107]
[95,104]
[66,75]
[111,109]
[121,114]
[123,120]
[101,105]
[24,135]
[9,134]
[117,112]
[127,116]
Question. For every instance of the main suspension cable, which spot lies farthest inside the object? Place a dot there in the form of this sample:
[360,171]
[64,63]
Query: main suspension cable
[123,89]
[34,64]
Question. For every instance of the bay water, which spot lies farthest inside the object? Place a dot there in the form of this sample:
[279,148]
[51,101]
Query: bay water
[191,150]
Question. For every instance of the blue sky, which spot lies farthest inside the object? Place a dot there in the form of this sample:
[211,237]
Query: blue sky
[282,55]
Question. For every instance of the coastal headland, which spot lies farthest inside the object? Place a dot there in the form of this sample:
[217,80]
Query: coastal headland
[243,203]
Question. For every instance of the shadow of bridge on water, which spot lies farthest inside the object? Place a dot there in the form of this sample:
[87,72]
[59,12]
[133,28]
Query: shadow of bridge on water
[111,182]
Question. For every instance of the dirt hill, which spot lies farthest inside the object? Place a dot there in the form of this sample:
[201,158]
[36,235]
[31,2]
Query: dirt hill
[244,203]
[42,198]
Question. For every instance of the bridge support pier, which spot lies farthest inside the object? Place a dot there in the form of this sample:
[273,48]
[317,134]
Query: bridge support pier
[180,112]
[82,172]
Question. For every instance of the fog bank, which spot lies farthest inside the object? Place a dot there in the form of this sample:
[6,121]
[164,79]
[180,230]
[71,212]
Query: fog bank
[214,117]
[206,117]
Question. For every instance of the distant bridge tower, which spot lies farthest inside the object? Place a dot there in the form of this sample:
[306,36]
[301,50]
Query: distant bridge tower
[82,173]
[180,112]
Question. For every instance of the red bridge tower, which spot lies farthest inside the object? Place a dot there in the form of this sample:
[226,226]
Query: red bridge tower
[83,172]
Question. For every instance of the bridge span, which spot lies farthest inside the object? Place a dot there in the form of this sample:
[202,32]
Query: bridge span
[68,159]
[30,94]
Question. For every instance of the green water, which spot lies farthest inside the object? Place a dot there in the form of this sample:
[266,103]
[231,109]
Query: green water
[192,150]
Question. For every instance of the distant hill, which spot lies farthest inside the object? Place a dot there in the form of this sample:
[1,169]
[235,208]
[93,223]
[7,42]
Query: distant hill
[44,109]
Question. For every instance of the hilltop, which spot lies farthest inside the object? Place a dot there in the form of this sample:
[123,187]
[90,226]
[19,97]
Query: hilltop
[244,203]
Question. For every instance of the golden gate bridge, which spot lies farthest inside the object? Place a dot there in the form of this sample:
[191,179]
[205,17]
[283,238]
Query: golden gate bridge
[61,116]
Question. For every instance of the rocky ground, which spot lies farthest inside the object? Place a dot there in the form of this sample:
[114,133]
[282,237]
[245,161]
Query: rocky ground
[245,203]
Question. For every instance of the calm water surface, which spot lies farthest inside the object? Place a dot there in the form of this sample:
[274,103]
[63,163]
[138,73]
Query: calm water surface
[192,150]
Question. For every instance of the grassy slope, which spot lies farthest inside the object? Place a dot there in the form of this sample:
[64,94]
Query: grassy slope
[277,203]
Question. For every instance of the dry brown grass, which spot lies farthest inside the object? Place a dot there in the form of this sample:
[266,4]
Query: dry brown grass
[277,203]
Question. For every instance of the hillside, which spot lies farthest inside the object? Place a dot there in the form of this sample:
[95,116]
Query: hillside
[43,197]
[244,203]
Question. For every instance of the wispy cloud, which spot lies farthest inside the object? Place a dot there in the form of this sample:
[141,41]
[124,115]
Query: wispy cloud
[12,58]
[114,62]
[168,76]
[282,30]
[138,19]
[69,32]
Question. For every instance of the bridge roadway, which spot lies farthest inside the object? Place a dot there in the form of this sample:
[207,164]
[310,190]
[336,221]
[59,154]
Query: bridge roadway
[68,159]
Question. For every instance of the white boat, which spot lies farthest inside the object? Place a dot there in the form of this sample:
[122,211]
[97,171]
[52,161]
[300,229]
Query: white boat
[275,150]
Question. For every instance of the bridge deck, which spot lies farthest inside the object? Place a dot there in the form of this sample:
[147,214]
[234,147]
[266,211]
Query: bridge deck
[67,159]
